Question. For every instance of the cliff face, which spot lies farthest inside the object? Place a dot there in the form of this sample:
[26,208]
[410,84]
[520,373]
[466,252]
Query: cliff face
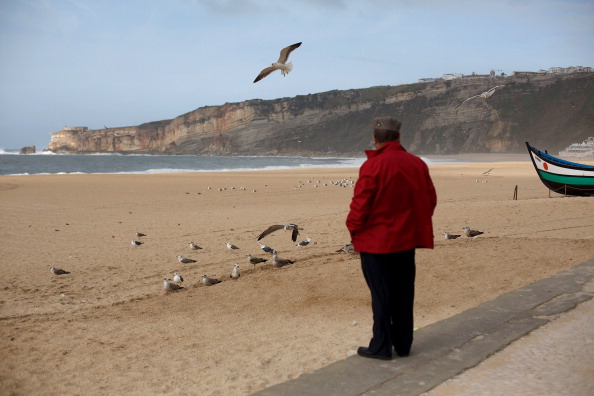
[549,111]
[28,150]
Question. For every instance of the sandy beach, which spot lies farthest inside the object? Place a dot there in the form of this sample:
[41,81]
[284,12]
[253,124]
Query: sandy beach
[109,328]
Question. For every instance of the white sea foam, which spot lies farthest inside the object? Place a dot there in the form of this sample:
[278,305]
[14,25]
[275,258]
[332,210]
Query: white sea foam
[8,152]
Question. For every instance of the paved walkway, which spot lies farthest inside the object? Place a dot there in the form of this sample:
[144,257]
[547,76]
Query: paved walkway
[538,339]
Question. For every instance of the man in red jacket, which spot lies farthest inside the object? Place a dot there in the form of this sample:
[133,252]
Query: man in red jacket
[390,216]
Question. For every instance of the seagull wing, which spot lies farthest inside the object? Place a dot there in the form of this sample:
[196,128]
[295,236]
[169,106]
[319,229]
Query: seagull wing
[285,52]
[295,233]
[270,230]
[264,73]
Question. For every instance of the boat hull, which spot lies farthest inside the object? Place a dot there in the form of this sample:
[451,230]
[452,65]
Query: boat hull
[560,176]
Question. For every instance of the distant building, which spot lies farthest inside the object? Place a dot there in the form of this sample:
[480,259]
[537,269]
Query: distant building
[570,69]
[585,149]
[76,128]
[492,73]
[452,76]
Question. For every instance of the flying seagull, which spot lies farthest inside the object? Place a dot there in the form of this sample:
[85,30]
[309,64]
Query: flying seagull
[285,227]
[447,235]
[255,260]
[184,260]
[234,272]
[485,94]
[58,271]
[488,172]
[209,281]
[170,286]
[280,64]
[471,233]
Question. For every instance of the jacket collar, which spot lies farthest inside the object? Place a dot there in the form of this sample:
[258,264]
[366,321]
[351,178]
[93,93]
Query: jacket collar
[389,146]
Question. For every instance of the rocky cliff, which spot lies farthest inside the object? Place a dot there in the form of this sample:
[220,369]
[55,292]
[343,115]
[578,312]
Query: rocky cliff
[549,111]
[28,150]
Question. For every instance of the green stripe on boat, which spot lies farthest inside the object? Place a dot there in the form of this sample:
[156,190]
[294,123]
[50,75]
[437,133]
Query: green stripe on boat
[563,179]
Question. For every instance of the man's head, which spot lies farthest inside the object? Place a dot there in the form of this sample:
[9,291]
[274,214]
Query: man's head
[385,129]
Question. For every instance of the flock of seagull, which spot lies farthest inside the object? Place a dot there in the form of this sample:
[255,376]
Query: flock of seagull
[346,182]
[277,261]
[175,284]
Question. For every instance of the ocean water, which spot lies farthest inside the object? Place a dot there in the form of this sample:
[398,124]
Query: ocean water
[12,163]
[47,163]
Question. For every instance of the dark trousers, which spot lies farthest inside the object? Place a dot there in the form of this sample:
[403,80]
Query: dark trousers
[391,280]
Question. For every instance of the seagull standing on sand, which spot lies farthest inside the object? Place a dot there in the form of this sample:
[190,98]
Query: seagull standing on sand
[279,262]
[285,227]
[140,234]
[177,277]
[136,243]
[58,271]
[209,281]
[255,260]
[348,248]
[280,64]
[184,260]
[235,272]
[265,248]
[170,286]
[471,233]
[447,235]
[231,246]
[305,242]
[194,246]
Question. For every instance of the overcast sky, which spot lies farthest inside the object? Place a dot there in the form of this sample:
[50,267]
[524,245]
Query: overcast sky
[116,63]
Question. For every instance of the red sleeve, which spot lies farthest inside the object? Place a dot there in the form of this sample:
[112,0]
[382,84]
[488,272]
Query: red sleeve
[363,197]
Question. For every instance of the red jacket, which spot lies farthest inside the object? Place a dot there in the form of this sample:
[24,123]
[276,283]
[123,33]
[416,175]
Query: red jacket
[393,202]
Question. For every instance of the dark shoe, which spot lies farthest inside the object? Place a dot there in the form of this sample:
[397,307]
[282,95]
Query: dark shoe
[363,351]
[402,353]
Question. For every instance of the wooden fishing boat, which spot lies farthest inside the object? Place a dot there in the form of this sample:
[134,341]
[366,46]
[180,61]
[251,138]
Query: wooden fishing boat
[560,176]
